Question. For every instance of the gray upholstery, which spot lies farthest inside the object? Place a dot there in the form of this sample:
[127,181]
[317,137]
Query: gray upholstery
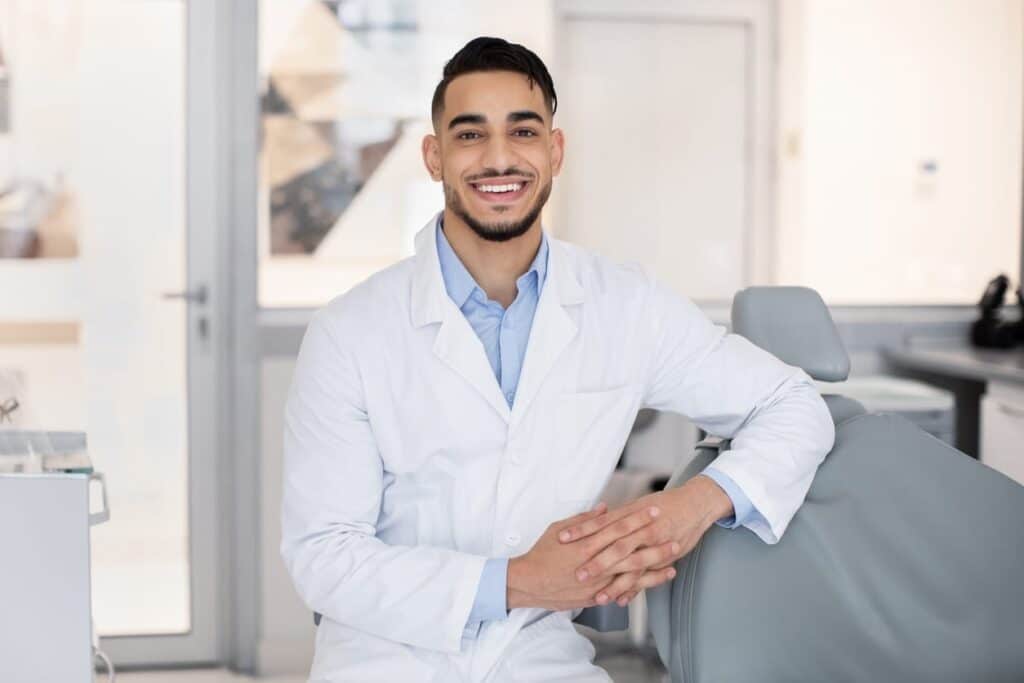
[906,563]
[795,325]
[604,618]
[843,408]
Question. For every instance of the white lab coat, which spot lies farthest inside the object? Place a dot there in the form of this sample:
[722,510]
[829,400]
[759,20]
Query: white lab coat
[405,468]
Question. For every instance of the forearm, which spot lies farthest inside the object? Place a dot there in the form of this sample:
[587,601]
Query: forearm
[419,596]
[773,458]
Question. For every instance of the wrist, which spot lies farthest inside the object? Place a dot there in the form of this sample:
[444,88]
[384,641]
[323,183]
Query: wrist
[514,593]
[715,502]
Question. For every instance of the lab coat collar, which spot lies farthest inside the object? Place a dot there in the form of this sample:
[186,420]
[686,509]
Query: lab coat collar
[457,344]
[430,298]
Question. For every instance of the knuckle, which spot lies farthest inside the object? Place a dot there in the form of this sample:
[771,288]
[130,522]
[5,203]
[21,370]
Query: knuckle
[622,547]
[591,546]
[629,579]
[622,527]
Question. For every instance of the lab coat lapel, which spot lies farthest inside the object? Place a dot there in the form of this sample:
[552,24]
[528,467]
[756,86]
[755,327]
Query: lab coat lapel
[456,344]
[553,327]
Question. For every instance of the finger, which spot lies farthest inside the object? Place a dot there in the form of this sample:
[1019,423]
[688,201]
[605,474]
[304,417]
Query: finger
[651,557]
[668,563]
[618,547]
[647,580]
[654,578]
[622,584]
[626,598]
[613,524]
[598,509]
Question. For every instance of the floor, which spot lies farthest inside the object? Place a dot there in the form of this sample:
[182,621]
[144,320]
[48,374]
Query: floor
[622,662]
[622,670]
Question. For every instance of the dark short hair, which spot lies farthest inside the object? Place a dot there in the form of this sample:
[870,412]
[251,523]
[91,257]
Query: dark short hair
[495,54]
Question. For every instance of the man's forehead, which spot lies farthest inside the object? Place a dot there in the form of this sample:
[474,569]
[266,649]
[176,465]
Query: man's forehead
[492,93]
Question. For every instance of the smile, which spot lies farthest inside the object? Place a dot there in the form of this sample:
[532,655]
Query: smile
[507,191]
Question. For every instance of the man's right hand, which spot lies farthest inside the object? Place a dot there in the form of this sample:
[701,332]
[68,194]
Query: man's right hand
[545,576]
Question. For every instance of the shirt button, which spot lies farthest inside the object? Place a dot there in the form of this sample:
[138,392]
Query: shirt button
[512,539]
[510,395]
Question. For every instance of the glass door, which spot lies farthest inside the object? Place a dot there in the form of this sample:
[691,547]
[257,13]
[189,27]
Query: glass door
[106,319]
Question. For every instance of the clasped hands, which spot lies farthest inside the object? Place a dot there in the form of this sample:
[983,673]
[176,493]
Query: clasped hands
[602,555]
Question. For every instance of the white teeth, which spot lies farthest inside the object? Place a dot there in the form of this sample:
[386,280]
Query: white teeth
[514,187]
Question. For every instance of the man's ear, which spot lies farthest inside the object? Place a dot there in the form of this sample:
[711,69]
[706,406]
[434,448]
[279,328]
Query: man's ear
[431,148]
[557,151]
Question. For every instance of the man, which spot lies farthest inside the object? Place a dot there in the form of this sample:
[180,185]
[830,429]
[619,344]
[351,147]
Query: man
[453,419]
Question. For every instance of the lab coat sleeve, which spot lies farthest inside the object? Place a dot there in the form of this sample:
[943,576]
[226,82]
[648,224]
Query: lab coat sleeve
[332,493]
[780,428]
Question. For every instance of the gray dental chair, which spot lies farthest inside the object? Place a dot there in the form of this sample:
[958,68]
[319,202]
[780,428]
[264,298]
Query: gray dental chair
[905,563]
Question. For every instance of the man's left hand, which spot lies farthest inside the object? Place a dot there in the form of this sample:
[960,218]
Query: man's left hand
[685,514]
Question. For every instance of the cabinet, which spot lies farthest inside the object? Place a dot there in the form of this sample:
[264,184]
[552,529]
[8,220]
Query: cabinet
[1002,429]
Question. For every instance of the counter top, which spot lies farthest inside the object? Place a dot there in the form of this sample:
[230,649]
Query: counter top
[962,361]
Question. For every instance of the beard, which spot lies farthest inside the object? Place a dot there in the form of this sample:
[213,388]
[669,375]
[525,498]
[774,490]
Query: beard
[497,231]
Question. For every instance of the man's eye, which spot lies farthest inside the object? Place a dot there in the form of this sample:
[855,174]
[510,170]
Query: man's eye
[524,133]
[468,135]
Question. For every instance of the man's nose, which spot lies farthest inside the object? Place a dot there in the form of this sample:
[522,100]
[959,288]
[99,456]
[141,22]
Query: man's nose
[498,154]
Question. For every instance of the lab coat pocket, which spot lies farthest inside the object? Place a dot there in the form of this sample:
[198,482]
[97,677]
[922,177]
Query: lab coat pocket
[592,428]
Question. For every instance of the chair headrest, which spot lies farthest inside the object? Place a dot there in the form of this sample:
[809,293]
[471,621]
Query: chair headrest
[794,324]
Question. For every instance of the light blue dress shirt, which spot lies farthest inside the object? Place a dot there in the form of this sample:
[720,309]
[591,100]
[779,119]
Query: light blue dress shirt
[504,334]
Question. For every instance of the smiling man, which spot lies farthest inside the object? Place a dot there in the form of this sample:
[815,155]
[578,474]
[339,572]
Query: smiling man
[454,418]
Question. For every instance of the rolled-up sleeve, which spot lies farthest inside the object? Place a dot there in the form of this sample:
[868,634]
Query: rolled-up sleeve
[779,425]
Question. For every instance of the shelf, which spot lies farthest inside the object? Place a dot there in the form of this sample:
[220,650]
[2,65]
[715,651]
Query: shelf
[40,290]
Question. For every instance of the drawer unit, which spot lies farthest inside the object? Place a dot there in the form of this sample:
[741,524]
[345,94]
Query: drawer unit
[1002,430]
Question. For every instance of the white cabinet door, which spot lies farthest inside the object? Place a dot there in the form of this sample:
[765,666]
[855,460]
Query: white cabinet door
[1002,431]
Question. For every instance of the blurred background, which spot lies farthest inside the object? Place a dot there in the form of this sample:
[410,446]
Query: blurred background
[183,182]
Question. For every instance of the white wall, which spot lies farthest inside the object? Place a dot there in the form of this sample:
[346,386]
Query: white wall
[869,90]
[286,626]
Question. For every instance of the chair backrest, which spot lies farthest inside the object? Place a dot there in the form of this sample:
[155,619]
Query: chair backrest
[794,324]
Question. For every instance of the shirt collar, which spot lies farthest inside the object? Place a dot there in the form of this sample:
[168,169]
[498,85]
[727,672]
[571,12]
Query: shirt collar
[460,284]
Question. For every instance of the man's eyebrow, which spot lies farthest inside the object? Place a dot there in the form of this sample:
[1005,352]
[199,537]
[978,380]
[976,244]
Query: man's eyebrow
[525,115]
[466,118]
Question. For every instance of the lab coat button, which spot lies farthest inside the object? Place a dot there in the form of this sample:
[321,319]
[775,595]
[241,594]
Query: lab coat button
[512,539]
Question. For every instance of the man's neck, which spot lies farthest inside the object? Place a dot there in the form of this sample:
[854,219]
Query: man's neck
[494,265]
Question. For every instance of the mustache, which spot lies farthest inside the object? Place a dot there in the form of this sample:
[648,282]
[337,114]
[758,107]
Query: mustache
[494,173]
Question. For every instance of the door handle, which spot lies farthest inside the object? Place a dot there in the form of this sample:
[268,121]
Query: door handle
[193,296]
